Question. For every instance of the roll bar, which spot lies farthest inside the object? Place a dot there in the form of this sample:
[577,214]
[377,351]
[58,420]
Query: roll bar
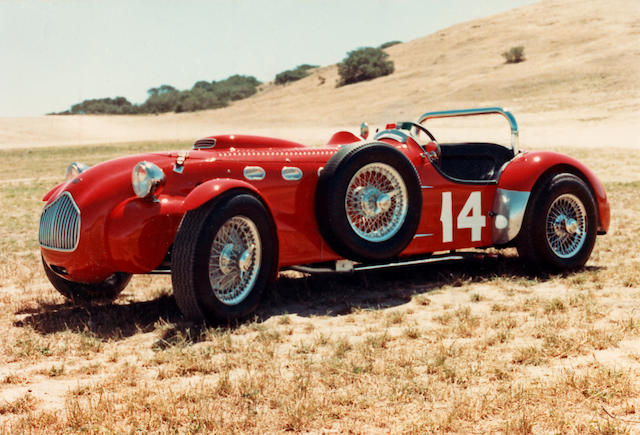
[480,111]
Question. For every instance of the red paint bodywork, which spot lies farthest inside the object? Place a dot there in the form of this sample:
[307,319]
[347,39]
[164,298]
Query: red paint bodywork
[526,169]
[121,232]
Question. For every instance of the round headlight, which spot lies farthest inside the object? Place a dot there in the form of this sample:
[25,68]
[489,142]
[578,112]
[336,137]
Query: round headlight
[147,178]
[75,169]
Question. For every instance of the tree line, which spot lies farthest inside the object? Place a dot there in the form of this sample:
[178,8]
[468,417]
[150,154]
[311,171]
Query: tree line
[165,98]
[364,63]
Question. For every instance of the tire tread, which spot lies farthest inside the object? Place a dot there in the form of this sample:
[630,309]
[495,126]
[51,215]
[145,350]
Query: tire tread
[182,272]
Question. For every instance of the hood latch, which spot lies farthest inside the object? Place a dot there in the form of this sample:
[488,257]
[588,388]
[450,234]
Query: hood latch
[178,166]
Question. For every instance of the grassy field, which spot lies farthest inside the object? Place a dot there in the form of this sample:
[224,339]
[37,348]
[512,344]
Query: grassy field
[469,347]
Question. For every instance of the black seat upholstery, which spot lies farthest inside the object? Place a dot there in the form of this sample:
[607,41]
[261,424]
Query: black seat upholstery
[473,160]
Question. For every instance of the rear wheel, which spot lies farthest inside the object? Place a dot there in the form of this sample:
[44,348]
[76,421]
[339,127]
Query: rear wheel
[223,258]
[105,291]
[559,229]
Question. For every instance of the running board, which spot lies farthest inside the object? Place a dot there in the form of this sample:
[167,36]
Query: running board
[348,266]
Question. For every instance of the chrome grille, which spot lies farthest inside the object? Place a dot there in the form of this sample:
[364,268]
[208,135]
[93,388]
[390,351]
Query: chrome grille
[60,224]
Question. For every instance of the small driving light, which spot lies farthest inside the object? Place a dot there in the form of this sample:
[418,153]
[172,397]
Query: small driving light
[364,130]
[75,169]
[147,179]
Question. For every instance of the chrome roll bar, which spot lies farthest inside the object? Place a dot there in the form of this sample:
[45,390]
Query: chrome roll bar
[480,111]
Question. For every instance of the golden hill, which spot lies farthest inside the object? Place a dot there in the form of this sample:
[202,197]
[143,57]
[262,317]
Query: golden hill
[581,79]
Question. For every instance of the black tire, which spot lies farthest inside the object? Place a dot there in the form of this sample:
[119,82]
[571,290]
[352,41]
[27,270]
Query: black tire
[201,297]
[559,228]
[79,292]
[346,231]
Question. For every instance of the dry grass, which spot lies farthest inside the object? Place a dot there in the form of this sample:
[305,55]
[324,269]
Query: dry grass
[473,347]
[462,347]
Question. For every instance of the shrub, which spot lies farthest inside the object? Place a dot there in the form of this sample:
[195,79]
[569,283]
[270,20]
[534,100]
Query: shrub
[514,54]
[235,87]
[291,75]
[165,98]
[364,63]
[118,105]
[389,44]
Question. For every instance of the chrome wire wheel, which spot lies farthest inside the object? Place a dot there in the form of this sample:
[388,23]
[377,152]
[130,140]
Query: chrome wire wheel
[376,202]
[566,225]
[234,260]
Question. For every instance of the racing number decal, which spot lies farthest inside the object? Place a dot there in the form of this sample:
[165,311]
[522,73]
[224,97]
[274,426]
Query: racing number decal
[445,218]
[470,217]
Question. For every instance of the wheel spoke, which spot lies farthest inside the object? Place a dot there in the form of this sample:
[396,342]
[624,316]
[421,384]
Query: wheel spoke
[364,214]
[563,237]
[231,284]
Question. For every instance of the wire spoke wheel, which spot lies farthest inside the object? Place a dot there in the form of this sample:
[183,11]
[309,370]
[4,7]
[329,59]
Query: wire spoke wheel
[560,225]
[224,255]
[566,225]
[368,202]
[234,260]
[376,202]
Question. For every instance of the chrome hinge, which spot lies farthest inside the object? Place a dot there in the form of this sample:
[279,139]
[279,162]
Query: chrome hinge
[179,165]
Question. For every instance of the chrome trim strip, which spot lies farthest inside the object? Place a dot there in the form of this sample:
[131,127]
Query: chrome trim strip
[409,263]
[254,173]
[291,173]
[508,208]
[422,235]
[60,224]
[396,135]
[426,187]
[347,266]
[159,272]
[479,111]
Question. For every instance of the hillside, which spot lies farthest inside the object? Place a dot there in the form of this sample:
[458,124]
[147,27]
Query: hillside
[582,68]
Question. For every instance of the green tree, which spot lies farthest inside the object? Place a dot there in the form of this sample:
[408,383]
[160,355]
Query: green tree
[389,44]
[364,63]
[291,75]
[166,98]
[236,87]
[118,105]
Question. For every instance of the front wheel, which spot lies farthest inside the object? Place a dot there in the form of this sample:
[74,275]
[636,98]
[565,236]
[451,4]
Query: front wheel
[79,292]
[560,224]
[223,258]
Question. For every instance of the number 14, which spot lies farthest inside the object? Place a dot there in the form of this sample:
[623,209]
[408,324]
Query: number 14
[470,217]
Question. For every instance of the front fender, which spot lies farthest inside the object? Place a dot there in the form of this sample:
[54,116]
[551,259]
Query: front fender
[213,188]
[54,192]
[524,171]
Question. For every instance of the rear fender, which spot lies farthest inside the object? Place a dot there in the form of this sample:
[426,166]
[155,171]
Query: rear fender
[527,170]
[343,138]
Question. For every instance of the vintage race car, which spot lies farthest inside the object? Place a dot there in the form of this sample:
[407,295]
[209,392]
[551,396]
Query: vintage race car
[226,216]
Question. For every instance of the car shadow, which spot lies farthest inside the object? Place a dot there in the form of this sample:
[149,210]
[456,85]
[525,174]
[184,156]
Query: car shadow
[107,321]
[293,293]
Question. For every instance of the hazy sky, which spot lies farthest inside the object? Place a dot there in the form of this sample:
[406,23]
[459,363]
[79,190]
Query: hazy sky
[54,53]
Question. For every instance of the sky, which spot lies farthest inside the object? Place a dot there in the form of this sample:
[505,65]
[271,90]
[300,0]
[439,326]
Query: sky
[55,53]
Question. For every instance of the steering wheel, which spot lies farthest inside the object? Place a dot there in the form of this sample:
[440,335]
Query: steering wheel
[431,149]
[423,129]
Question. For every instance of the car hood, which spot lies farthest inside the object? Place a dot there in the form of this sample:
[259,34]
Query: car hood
[231,141]
[92,184]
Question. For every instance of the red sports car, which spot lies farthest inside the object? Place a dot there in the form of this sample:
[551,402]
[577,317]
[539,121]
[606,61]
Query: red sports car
[226,216]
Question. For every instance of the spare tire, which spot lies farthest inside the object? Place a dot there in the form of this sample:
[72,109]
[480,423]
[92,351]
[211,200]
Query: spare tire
[368,202]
